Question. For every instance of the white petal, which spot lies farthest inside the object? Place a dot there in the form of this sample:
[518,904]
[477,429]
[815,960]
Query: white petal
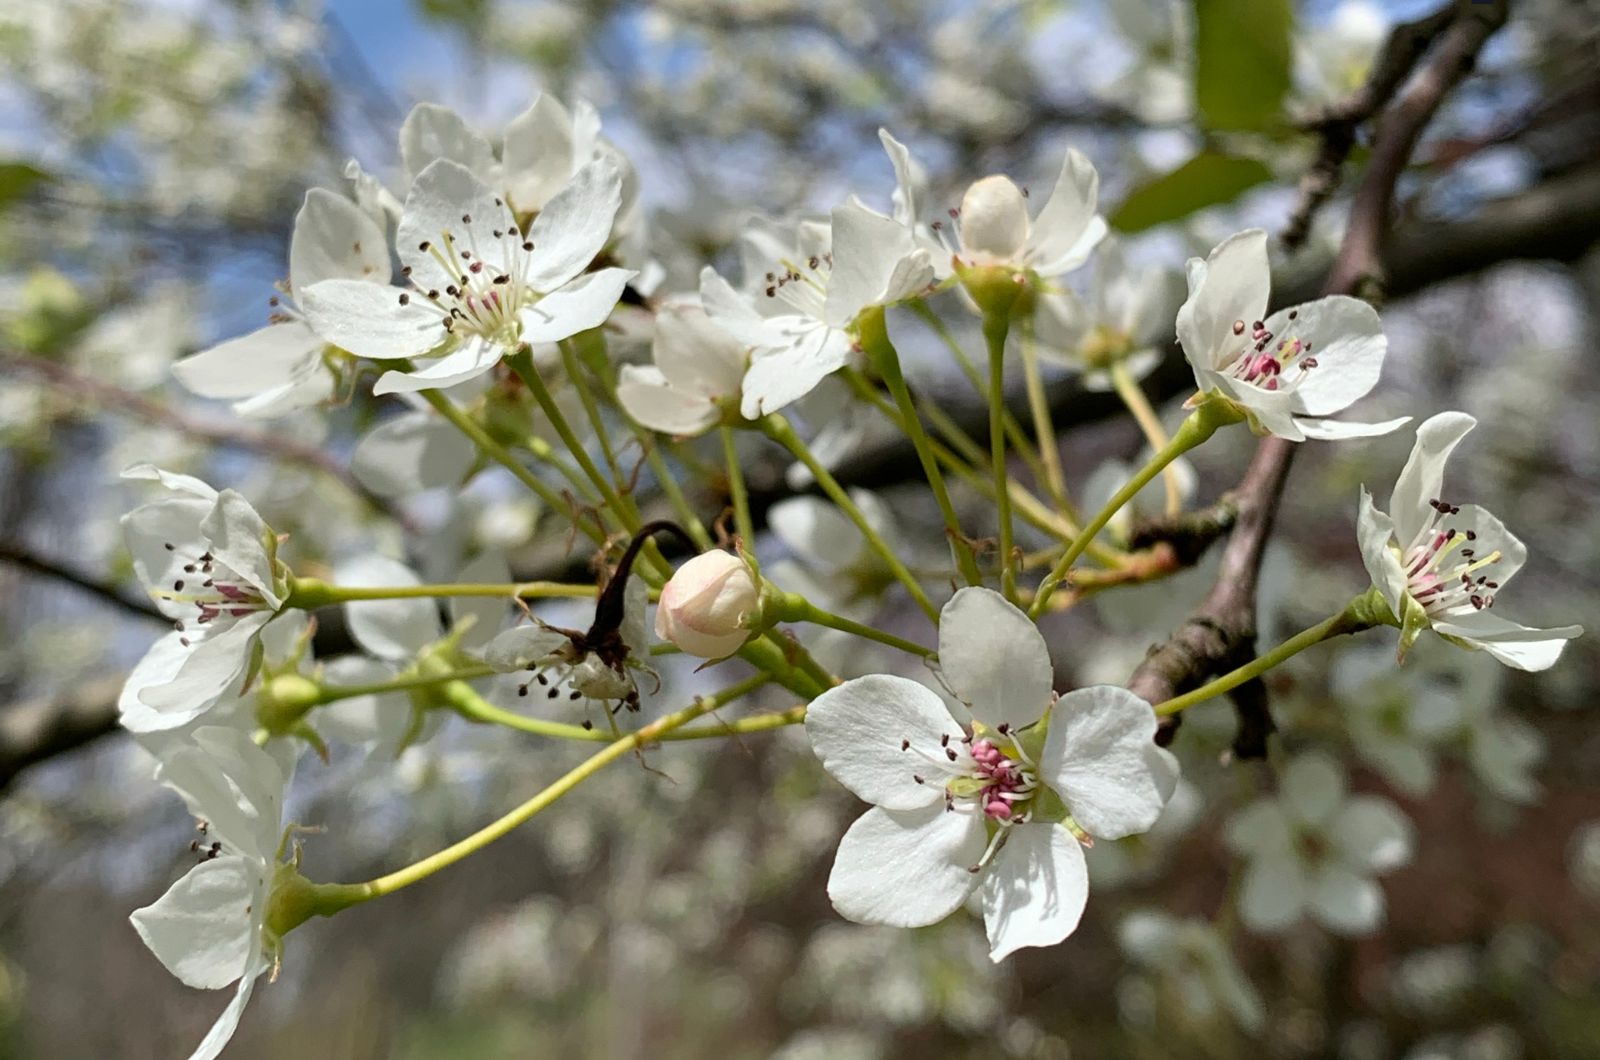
[875,262]
[857,730]
[906,869]
[214,668]
[159,666]
[584,303]
[390,629]
[1344,901]
[335,240]
[1232,284]
[249,364]
[694,353]
[311,386]
[413,452]
[1060,324]
[149,529]
[817,531]
[368,320]
[238,537]
[732,311]
[380,720]
[1035,891]
[1312,788]
[635,627]
[1340,430]
[227,1023]
[1371,834]
[1347,344]
[1273,894]
[488,613]
[184,484]
[233,785]
[432,131]
[652,402]
[450,209]
[537,153]
[1374,534]
[1491,536]
[1422,479]
[1518,646]
[1100,756]
[1066,230]
[1262,830]
[467,361]
[908,179]
[574,225]
[202,929]
[521,646]
[994,658]
[780,375]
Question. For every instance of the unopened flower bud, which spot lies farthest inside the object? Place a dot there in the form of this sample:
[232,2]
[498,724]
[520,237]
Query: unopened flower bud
[994,220]
[705,607]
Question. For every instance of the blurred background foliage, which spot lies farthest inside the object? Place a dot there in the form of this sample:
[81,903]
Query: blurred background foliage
[152,156]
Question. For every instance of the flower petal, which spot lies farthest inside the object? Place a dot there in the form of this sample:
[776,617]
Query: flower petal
[449,210]
[213,669]
[202,928]
[396,630]
[694,353]
[250,364]
[584,303]
[574,225]
[335,240]
[227,1023]
[1518,646]
[521,646]
[732,311]
[875,261]
[1100,756]
[238,538]
[1232,284]
[1067,229]
[779,375]
[467,361]
[1312,788]
[1340,430]
[994,658]
[1347,343]
[432,131]
[538,152]
[368,319]
[1344,901]
[817,531]
[159,666]
[1273,895]
[906,869]
[1035,891]
[857,730]
[1260,831]
[414,451]
[1374,533]
[1422,479]
[1371,833]
[647,397]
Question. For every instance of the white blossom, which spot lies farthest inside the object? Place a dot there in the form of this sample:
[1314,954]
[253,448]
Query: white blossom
[283,366]
[210,928]
[1313,850]
[698,367]
[480,286]
[1124,320]
[706,606]
[1287,370]
[1194,957]
[1440,565]
[957,811]
[210,563]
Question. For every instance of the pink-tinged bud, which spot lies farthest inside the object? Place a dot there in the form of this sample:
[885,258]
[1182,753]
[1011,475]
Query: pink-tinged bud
[706,604]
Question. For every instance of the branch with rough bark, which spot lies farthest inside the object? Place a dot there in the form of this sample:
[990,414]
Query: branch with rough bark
[1220,632]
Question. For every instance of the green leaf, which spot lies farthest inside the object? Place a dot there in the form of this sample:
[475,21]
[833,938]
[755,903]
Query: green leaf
[1242,61]
[17,179]
[1208,179]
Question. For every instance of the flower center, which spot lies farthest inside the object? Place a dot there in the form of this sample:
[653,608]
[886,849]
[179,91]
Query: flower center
[214,589]
[802,289]
[1268,361]
[1442,566]
[486,287]
[991,776]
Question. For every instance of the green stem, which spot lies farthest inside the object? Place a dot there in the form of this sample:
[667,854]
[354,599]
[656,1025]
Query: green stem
[1353,619]
[500,454]
[736,491]
[1044,430]
[651,733]
[669,486]
[1202,423]
[995,327]
[1133,397]
[308,593]
[874,336]
[334,693]
[793,607]
[777,428]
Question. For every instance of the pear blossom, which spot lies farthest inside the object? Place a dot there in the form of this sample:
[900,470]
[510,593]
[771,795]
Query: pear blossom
[283,366]
[993,228]
[210,563]
[707,604]
[1314,850]
[1332,60]
[1439,565]
[698,367]
[804,299]
[958,809]
[833,551]
[558,660]
[1193,956]
[211,928]
[1122,321]
[480,285]
[1284,370]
